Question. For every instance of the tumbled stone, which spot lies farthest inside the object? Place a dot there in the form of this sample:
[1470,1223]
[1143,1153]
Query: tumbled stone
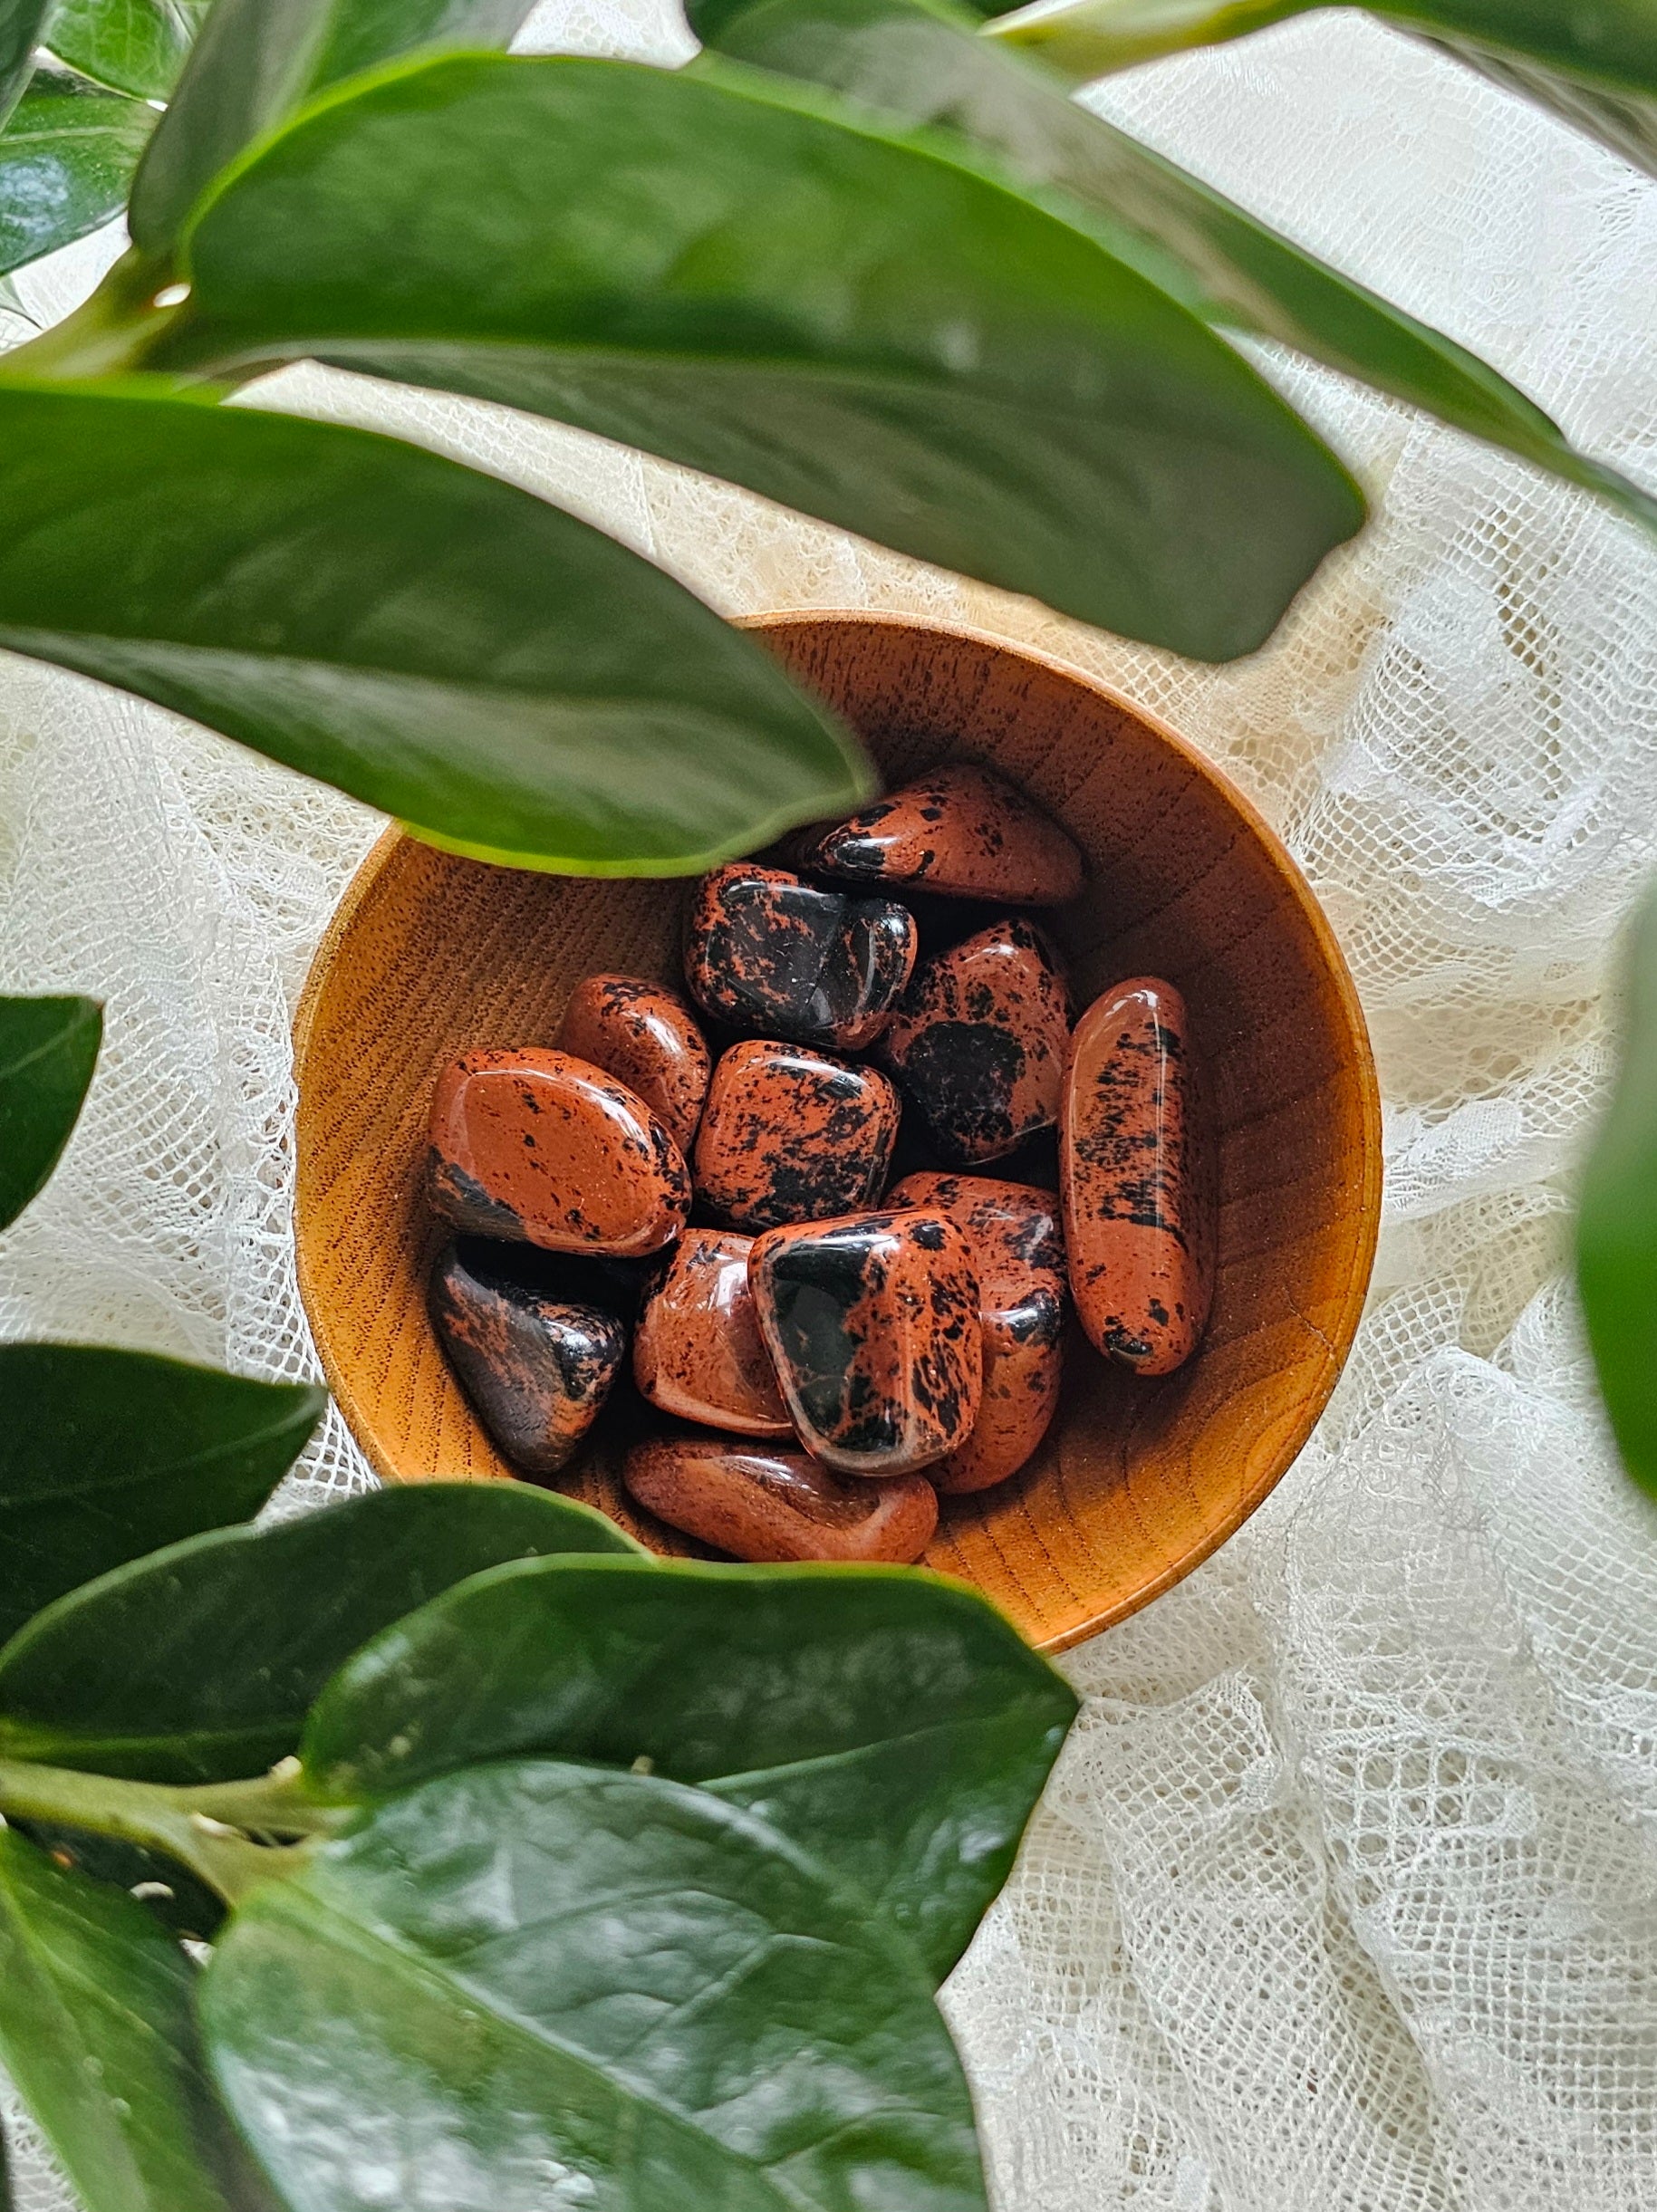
[1018,1253]
[792,1134]
[771,1505]
[535,1364]
[697,1351]
[646,1036]
[540,1147]
[960,829]
[1137,1225]
[979,1040]
[766,952]
[872,1325]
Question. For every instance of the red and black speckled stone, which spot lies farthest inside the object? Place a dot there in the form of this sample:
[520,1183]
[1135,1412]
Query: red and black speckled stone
[646,1036]
[1137,1222]
[960,829]
[792,1134]
[535,1364]
[765,953]
[979,1040]
[872,1325]
[1018,1251]
[697,1351]
[771,1505]
[540,1147]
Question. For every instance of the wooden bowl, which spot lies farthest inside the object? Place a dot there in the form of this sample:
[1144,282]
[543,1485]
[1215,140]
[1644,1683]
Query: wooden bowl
[1140,1479]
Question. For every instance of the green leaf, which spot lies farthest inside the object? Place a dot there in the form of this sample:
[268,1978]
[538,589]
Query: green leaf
[169,1893]
[894,1725]
[96,2030]
[922,62]
[513,683]
[539,1985]
[200,1663]
[20,26]
[259,61]
[66,163]
[48,1049]
[1616,1227]
[1592,62]
[106,1454]
[136,46]
[736,276]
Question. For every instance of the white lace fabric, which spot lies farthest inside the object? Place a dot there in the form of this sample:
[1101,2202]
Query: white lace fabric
[1344,1896]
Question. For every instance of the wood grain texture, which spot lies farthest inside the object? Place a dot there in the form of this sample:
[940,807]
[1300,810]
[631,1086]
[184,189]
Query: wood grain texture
[1139,1480]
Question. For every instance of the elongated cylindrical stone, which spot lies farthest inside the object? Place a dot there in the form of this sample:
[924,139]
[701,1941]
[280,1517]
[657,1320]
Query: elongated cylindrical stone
[771,1505]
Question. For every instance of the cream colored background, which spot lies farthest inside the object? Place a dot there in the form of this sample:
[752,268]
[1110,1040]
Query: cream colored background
[1345,1898]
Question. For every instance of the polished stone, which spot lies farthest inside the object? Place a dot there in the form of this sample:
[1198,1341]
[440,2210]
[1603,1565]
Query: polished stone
[697,1351]
[771,1505]
[979,1041]
[1138,1225]
[792,1134]
[961,830]
[1018,1253]
[538,1147]
[872,1324]
[647,1037]
[535,1364]
[767,954]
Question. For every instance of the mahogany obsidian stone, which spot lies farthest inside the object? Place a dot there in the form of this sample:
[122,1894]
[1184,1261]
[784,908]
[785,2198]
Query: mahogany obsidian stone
[979,1040]
[1138,1205]
[872,1324]
[540,1147]
[792,1134]
[536,1364]
[697,1351]
[771,1505]
[961,830]
[646,1036]
[1019,1252]
[766,952]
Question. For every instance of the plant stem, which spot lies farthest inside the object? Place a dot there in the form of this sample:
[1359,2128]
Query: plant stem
[108,333]
[208,1829]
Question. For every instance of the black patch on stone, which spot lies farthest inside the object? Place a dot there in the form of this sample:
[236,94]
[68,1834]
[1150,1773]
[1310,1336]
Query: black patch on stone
[962,1075]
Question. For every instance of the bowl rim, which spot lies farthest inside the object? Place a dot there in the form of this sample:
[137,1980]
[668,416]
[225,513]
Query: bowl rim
[1369,1164]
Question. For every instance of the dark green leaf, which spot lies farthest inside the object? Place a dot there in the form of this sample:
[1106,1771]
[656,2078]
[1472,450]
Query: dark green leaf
[169,1893]
[48,1049]
[20,26]
[258,60]
[96,2030]
[894,1725]
[733,274]
[198,1663]
[105,1455]
[541,1985]
[922,62]
[66,163]
[1592,62]
[512,682]
[136,46]
[1617,1229]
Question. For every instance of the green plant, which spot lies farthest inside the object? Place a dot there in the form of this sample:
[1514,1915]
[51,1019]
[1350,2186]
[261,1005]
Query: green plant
[536,1871]
[857,256]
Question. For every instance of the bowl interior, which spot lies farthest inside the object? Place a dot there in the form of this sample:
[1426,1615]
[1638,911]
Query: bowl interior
[1138,1479]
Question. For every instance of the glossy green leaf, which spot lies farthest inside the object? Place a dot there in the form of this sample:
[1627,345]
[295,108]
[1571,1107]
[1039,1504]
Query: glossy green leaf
[48,1049]
[512,682]
[136,46]
[199,1662]
[1616,1227]
[169,1893]
[922,62]
[105,1455]
[97,2032]
[894,1724]
[66,163]
[739,276]
[1592,62]
[258,60]
[20,27]
[541,1985]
